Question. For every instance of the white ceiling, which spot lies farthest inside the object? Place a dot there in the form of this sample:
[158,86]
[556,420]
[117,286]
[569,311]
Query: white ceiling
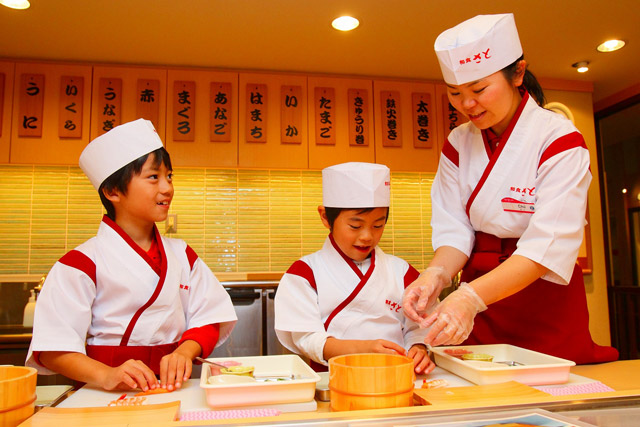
[395,38]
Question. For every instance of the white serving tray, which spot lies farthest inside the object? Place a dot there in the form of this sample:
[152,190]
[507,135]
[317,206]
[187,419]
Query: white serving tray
[537,368]
[300,389]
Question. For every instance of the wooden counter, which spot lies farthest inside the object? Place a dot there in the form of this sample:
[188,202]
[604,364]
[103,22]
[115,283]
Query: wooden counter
[622,376]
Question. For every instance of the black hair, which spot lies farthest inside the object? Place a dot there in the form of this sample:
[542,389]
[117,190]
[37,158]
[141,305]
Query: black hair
[529,82]
[332,213]
[120,179]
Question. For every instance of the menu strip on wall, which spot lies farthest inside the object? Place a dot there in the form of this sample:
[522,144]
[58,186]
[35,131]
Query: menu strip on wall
[70,108]
[31,105]
[256,112]
[391,119]
[324,111]
[147,102]
[422,129]
[1,101]
[291,114]
[451,118]
[109,104]
[358,104]
[184,110]
[221,115]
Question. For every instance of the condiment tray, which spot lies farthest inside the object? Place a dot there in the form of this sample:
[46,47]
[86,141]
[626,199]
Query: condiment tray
[250,392]
[510,363]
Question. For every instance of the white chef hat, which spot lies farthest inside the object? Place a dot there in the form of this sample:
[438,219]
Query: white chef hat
[117,148]
[356,185]
[478,47]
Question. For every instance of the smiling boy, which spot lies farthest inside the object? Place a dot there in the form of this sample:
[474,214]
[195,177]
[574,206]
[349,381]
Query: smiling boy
[346,297]
[129,304]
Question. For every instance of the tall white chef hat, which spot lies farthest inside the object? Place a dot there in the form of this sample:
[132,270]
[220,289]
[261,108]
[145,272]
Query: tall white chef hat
[117,148]
[478,47]
[356,185]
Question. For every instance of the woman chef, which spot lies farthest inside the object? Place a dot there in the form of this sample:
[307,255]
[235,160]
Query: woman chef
[508,207]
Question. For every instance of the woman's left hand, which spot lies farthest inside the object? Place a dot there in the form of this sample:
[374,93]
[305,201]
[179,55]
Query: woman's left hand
[421,295]
[452,320]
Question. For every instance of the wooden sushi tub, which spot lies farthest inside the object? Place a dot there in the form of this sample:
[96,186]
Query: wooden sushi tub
[17,394]
[370,381]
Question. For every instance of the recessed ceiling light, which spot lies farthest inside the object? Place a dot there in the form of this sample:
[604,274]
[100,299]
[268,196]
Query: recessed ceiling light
[582,66]
[624,191]
[16,4]
[611,45]
[345,23]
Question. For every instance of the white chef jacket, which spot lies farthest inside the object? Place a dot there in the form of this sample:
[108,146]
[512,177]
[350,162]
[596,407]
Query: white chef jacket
[534,187]
[327,289]
[94,293]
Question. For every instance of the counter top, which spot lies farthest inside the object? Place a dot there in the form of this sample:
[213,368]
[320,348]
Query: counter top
[622,376]
[12,334]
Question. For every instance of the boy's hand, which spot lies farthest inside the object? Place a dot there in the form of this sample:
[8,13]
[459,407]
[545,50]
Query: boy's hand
[175,368]
[130,375]
[421,360]
[382,346]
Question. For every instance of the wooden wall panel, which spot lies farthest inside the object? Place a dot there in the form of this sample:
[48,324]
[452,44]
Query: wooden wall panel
[6,103]
[406,157]
[321,155]
[273,153]
[202,151]
[129,103]
[50,148]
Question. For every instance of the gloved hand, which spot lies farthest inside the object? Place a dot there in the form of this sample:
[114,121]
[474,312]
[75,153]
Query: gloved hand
[420,296]
[452,319]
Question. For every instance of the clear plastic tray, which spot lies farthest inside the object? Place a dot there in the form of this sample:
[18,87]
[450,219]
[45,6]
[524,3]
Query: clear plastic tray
[300,389]
[533,368]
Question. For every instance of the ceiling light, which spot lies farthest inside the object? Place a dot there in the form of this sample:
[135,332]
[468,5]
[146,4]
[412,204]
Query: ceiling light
[16,4]
[582,66]
[345,23]
[624,191]
[611,45]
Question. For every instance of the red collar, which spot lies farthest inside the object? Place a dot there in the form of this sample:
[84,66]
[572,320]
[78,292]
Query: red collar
[349,261]
[489,136]
[144,254]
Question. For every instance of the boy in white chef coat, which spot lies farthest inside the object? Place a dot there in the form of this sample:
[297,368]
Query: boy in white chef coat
[129,304]
[346,297]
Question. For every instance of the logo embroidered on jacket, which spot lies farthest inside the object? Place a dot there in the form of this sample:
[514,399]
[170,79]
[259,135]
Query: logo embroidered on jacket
[185,287]
[525,191]
[393,306]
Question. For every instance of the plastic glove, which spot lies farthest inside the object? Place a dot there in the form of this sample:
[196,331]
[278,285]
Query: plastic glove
[420,296]
[452,319]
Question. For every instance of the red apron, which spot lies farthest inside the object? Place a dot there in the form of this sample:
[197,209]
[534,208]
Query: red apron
[545,316]
[116,355]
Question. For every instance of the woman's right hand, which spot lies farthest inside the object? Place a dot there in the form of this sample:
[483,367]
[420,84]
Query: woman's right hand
[421,295]
[130,375]
[452,320]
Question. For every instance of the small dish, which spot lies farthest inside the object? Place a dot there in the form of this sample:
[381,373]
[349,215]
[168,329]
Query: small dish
[238,370]
[480,357]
